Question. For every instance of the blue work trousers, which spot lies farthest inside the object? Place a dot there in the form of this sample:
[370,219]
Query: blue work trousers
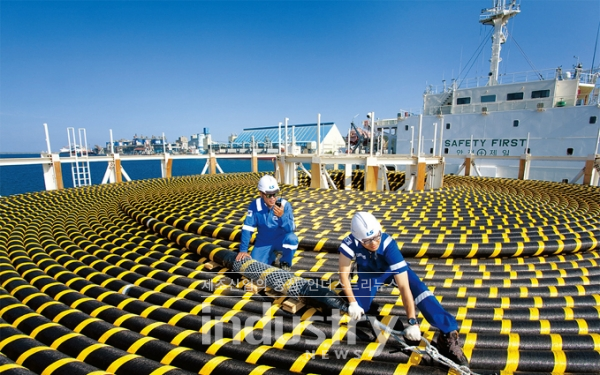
[265,248]
[434,313]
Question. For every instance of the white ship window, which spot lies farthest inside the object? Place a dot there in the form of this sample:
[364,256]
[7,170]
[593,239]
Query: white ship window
[514,96]
[448,126]
[540,94]
[593,119]
[406,127]
[570,151]
[460,101]
[446,150]
[488,98]
[515,123]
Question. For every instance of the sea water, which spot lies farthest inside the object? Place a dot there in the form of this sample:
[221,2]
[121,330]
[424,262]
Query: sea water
[22,179]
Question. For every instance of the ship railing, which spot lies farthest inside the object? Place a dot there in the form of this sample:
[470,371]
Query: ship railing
[538,104]
[386,122]
[520,77]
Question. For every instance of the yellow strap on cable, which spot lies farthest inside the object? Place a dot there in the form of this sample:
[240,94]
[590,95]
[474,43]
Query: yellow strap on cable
[514,341]
[32,296]
[120,362]
[104,295]
[256,354]
[259,370]
[177,317]
[61,315]
[123,318]
[80,301]
[147,311]
[182,336]
[299,328]
[209,367]
[324,347]
[228,315]
[106,335]
[139,343]
[350,366]
[172,354]
[146,331]
[370,351]
[20,287]
[18,321]
[282,340]
[387,309]
[402,369]
[557,343]
[545,327]
[85,352]
[318,264]
[85,323]
[560,362]
[206,327]
[56,343]
[506,327]
[241,335]
[469,344]
[10,339]
[583,327]
[415,358]
[55,365]
[125,302]
[163,370]
[198,308]
[512,361]
[301,361]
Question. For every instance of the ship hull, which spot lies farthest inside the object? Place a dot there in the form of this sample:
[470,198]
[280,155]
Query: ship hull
[562,135]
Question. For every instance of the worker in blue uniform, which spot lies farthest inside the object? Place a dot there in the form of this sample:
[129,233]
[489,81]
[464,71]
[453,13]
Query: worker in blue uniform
[273,219]
[379,261]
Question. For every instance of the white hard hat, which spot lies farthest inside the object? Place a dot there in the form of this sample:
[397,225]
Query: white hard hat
[268,184]
[364,225]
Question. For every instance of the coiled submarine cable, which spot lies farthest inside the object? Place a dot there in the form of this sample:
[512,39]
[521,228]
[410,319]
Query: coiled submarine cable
[86,302]
[522,311]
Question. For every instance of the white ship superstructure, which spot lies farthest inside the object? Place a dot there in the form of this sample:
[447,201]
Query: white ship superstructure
[551,113]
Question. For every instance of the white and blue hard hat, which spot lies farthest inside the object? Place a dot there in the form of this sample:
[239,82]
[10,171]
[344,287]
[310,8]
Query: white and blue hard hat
[364,225]
[268,184]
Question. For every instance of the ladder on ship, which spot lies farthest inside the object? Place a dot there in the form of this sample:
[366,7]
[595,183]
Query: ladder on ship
[78,149]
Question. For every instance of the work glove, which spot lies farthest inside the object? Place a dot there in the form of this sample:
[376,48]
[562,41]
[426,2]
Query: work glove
[355,311]
[413,333]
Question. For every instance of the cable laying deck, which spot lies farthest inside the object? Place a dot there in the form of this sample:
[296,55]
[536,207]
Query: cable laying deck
[117,278]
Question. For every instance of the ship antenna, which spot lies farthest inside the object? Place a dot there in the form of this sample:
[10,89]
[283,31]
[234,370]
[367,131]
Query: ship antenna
[595,49]
[498,16]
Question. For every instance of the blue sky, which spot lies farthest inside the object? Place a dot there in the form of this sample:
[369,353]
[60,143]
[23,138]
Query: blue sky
[177,67]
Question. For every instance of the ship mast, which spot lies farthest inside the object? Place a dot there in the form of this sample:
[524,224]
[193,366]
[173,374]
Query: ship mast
[498,16]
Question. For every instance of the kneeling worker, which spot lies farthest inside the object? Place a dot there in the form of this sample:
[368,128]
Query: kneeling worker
[274,221]
[380,262]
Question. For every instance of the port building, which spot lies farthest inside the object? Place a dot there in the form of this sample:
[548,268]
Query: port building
[301,138]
